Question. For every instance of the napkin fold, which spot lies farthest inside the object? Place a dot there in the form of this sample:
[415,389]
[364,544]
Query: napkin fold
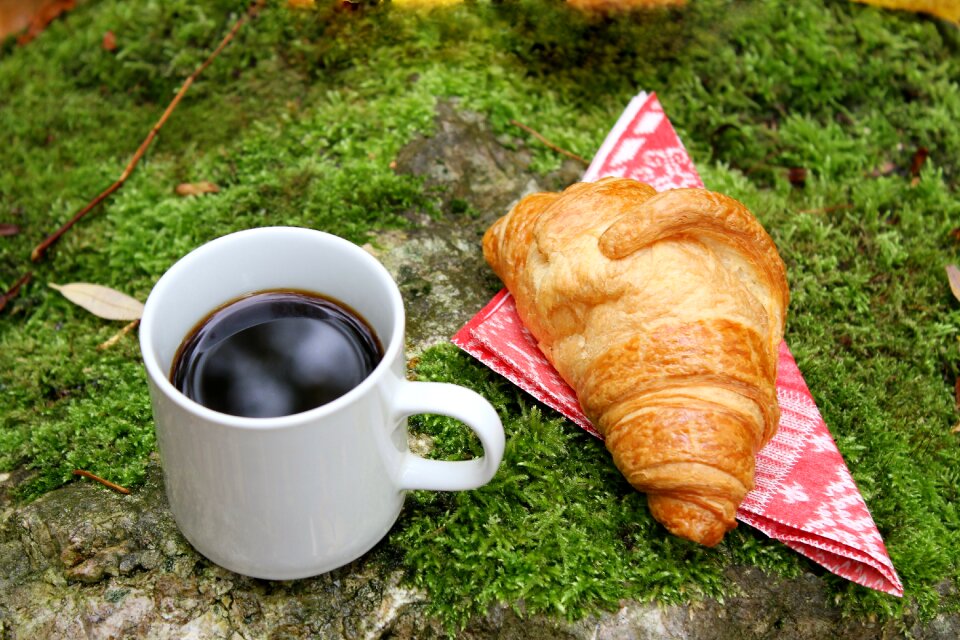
[804,496]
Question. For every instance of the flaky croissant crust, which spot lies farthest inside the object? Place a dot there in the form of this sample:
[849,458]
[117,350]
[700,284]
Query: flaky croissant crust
[664,312]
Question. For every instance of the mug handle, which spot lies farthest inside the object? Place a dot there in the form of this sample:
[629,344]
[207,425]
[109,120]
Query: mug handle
[461,404]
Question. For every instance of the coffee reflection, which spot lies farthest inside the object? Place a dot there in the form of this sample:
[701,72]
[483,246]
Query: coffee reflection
[275,353]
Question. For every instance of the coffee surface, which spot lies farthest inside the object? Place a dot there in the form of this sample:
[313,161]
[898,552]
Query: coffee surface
[275,353]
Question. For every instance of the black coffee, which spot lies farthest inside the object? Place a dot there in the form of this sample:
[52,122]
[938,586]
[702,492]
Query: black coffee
[275,353]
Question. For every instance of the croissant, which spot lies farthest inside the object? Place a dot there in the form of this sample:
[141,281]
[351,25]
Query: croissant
[664,312]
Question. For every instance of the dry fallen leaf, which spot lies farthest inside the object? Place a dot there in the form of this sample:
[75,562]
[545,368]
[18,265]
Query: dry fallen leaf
[109,42]
[15,16]
[946,9]
[883,170]
[797,176]
[29,17]
[196,188]
[101,301]
[953,274]
[919,157]
[7,229]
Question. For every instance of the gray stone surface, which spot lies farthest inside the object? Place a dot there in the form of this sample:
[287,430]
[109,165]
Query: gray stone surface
[84,562]
[439,264]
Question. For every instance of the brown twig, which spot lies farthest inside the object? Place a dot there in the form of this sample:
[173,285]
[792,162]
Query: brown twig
[115,338]
[106,483]
[12,292]
[549,144]
[41,248]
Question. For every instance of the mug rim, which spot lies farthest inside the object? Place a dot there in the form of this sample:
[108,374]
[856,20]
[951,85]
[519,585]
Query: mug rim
[162,381]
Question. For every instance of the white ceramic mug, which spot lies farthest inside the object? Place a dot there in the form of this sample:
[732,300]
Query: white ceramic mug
[298,495]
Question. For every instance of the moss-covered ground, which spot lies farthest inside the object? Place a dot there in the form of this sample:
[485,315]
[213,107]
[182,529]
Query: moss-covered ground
[298,121]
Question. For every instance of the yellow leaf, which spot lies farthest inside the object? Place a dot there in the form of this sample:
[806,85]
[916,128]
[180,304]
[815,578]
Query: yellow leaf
[946,9]
[953,275]
[196,188]
[101,301]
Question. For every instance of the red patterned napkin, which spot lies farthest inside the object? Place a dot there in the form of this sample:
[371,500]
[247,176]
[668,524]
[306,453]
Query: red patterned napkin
[804,495]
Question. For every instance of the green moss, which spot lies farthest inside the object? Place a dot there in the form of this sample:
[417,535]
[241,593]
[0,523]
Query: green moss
[298,122]
[558,528]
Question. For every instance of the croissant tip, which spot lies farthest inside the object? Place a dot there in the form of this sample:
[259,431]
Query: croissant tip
[690,521]
[707,537]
